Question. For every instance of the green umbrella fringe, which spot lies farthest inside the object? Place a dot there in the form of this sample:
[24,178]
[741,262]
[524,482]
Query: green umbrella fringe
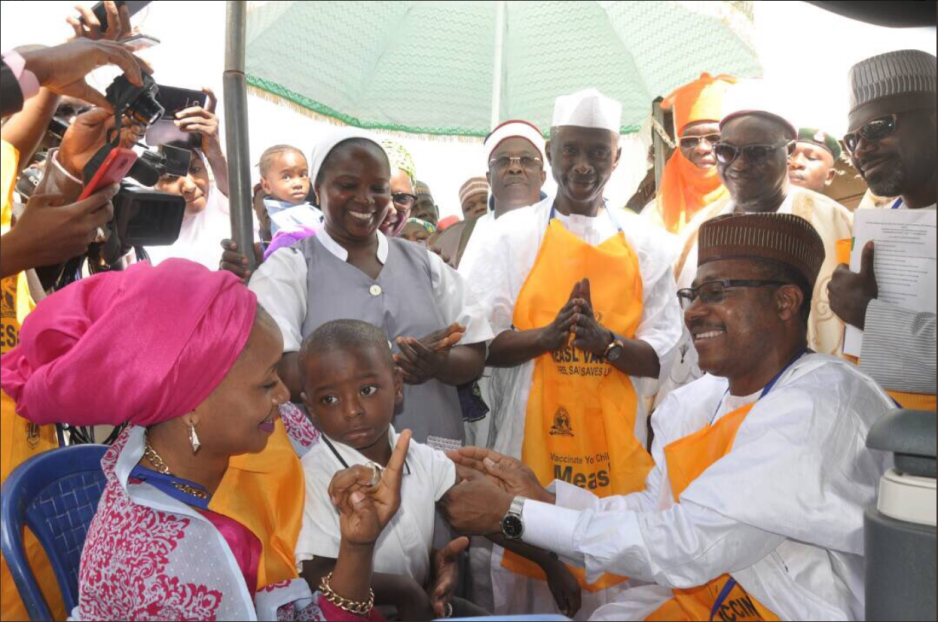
[284,97]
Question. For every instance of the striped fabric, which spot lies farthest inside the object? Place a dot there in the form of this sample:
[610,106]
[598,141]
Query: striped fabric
[899,348]
[895,73]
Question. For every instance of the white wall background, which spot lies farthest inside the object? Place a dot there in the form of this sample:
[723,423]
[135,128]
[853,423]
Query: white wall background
[806,49]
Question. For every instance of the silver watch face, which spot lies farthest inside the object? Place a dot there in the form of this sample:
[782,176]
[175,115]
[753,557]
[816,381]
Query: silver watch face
[614,353]
[512,527]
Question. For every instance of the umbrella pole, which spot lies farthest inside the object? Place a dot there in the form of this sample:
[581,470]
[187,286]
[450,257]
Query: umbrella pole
[497,72]
[236,130]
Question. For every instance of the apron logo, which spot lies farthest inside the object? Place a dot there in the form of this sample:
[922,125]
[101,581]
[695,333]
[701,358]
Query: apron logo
[561,425]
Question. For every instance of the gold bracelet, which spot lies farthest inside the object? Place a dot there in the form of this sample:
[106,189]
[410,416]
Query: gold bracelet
[357,608]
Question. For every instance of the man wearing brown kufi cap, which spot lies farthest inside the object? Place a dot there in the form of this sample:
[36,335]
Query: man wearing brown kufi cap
[754,509]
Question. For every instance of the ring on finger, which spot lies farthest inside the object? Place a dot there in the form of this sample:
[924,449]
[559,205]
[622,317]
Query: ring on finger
[375,474]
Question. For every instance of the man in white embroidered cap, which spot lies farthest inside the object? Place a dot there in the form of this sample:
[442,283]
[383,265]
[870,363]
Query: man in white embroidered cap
[892,142]
[754,509]
[584,309]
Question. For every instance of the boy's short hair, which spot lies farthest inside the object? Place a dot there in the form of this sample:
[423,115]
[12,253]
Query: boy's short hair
[272,153]
[344,335]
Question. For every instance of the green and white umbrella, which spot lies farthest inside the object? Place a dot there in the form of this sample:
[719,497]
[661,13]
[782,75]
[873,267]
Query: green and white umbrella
[459,68]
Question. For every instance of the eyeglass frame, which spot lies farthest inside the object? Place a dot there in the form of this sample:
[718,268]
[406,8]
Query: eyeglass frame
[698,139]
[691,294]
[413,198]
[493,163]
[858,134]
[786,144]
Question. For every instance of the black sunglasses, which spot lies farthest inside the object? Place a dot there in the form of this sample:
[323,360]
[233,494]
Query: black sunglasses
[871,132]
[691,142]
[756,155]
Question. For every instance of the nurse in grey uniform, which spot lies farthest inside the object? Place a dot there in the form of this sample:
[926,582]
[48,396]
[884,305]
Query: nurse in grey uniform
[350,270]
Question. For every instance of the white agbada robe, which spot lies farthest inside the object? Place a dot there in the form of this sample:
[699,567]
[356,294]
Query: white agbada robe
[782,512]
[497,273]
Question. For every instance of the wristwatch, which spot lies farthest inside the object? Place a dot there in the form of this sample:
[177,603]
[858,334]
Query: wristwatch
[512,523]
[615,349]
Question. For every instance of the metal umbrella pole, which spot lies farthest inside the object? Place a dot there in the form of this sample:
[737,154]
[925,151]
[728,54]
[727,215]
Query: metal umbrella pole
[236,130]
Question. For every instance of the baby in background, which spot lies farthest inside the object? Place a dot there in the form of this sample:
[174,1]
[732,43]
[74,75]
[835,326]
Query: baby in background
[285,183]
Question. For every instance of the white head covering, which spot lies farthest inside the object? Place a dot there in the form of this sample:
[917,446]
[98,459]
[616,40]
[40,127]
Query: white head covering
[588,108]
[330,140]
[514,129]
[754,97]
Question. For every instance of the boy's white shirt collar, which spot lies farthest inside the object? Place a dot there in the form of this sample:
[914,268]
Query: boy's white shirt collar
[352,456]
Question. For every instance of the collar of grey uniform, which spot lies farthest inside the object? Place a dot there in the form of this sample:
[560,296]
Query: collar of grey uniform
[342,452]
[333,247]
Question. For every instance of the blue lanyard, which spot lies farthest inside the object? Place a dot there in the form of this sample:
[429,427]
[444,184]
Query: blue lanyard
[724,594]
[769,386]
[897,203]
[167,484]
[615,223]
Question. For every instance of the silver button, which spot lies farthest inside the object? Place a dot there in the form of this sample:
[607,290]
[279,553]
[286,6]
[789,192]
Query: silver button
[375,290]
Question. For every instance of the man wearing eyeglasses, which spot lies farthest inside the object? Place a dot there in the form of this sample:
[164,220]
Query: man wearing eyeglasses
[586,314]
[753,157]
[754,509]
[690,182]
[892,143]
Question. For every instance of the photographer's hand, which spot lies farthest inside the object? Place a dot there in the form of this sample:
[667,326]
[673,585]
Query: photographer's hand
[62,69]
[87,135]
[87,26]
[203,121]
[51,230]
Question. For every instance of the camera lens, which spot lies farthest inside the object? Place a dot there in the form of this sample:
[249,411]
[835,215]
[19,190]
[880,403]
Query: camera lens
[146,110]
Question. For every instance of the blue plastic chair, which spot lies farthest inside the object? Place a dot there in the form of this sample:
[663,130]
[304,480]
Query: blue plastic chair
[55,494]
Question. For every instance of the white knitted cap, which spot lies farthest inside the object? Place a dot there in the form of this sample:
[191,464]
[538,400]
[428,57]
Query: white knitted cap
[588,108]
[896,73]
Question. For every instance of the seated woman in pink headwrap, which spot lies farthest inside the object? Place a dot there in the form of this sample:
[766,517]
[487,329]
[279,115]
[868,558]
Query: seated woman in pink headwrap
[204,495]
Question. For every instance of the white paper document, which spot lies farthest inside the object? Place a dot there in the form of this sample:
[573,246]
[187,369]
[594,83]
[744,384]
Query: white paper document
[903,260]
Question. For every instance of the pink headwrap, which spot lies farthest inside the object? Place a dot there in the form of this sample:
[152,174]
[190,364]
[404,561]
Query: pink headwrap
[142,346]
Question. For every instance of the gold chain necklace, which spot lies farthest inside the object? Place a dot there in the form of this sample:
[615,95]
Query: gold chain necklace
[154,458]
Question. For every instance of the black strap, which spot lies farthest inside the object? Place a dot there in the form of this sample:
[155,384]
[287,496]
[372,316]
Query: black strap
[342,460]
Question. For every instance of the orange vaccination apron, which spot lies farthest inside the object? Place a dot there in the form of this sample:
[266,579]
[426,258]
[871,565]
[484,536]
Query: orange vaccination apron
[265,493]
[687,459]
[580,419]
[912,401]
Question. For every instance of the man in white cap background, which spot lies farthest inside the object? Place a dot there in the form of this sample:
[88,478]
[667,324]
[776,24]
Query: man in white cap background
[753,158]
[586,316]
[892,142]
[754,510]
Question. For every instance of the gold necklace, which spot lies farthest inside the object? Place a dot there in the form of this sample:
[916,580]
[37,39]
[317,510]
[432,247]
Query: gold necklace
[154,458]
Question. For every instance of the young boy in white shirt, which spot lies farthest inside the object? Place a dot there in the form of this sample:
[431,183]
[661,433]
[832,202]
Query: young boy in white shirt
[351,388]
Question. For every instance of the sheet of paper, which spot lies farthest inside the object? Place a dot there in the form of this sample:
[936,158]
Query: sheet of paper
[904,260]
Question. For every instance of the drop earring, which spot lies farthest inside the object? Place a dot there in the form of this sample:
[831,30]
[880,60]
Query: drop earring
[194,439]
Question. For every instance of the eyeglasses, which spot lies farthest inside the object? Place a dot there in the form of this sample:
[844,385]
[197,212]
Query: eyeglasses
[757,155]
[526,162]
[691,142]
[872,132]
[714,292]
[404,200]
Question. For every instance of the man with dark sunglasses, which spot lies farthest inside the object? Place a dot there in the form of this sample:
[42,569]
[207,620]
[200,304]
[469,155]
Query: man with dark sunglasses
[892,142]
[753,157]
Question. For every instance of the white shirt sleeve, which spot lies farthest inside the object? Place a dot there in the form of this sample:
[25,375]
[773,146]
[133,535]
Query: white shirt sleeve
[684,546]
[457,302]
[660,326]
[320,533]
[280,285]
[443,471]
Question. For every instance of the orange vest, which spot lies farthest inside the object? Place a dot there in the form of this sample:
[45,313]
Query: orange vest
[580,419]
[722,598]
